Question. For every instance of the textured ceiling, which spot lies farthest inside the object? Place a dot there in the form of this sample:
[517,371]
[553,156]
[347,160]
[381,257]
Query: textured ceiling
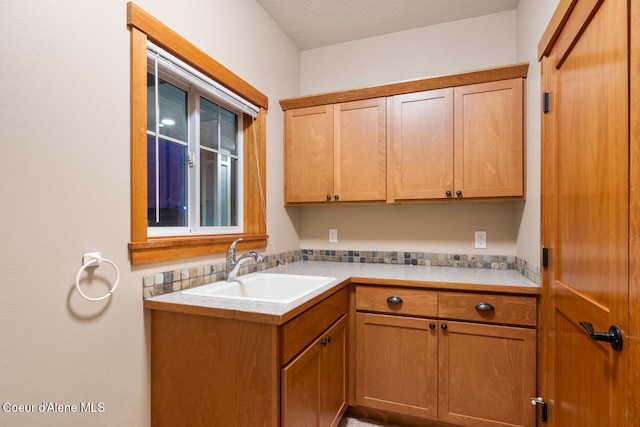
[316,23]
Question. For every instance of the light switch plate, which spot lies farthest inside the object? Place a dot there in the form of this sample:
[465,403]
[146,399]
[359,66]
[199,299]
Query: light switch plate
[333,235]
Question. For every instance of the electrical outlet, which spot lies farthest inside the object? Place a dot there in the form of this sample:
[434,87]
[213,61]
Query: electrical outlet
[481,239]
[333,235]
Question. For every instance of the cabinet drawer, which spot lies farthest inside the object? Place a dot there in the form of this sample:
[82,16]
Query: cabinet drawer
[304,328]
[506,309]
[416,302]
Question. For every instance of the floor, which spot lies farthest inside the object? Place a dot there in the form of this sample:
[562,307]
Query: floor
[355,422]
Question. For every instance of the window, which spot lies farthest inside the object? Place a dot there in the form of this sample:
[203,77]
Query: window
[197,149]
[194,150]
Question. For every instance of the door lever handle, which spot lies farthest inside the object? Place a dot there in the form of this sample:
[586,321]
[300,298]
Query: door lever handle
[613,337]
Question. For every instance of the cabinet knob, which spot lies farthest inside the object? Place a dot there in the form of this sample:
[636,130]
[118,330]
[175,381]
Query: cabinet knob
[443,326]
[336,197]
[432,325]
[394,300]
[459,193]
[448,193]
[328,197]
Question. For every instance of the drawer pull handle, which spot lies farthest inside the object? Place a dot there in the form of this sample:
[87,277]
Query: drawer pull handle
[484,306]
[394,300]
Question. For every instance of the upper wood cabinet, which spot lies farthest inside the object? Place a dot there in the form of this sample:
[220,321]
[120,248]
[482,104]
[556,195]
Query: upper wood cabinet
[463,142]
[457,137]
[336,152]
[488,139]
[422,145]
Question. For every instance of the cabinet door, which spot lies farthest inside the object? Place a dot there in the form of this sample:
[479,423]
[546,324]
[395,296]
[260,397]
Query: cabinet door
[308,154]
[487,375]
[360,150]
[314,384]
[423,145]
[301,389]
[396,360]
[334,374]
[489,139]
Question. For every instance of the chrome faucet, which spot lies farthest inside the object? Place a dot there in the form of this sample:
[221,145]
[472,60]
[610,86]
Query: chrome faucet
[233,265]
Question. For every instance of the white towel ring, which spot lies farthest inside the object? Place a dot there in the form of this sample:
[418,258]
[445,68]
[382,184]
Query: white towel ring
[94,259]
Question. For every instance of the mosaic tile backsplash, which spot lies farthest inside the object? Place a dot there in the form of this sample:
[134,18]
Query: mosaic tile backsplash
[176,280]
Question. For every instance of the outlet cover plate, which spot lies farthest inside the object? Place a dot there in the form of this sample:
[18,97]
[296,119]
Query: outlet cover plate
[481,239]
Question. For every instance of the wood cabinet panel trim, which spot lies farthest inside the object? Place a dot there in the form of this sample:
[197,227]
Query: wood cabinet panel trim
[486,75]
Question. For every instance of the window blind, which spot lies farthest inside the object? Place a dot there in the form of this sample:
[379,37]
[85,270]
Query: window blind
[192,76]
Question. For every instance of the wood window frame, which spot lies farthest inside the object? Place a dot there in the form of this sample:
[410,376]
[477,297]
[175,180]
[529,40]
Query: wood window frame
[144,249]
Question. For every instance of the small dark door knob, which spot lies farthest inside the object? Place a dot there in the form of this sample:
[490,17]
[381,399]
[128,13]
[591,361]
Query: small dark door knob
[459,193]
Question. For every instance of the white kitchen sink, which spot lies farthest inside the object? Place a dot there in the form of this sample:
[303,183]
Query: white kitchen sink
[263,287]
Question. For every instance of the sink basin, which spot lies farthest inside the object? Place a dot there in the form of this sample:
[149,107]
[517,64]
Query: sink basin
[264,287]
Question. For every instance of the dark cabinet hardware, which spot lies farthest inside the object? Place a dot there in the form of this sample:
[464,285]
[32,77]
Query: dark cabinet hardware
[484,306]
[459,193]
[394,300]
[545,102]
[336,197]
[545,257]
[325,341]
[535,401]
[328,197]
[432,325]
[443,326]
[448,193]
[613,337]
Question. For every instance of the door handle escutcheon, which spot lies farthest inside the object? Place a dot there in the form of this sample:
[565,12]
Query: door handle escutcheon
[613,337]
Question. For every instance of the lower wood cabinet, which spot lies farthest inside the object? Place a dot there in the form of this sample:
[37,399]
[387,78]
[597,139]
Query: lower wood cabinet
[487,375]
[314,383]
[397,364]
[217,371]
[458,364]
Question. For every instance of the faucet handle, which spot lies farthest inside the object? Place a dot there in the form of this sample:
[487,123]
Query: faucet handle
[232,246]
[231,251]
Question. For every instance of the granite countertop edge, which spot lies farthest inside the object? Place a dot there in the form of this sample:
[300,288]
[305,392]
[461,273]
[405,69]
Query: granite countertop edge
[438,278]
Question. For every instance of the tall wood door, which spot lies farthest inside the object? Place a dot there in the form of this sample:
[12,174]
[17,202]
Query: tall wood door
[308,154]
[422,144]
[586,213]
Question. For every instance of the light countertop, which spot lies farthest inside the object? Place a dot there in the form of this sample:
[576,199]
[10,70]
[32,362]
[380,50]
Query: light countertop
[437,278]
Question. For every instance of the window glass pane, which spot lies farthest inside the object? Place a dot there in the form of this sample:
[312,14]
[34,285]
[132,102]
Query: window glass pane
[151,102]
[208,124]
[167,188]
[172,111]
[228,131]
[218,195]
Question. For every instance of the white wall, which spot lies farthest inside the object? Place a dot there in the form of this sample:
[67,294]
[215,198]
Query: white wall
[64,168]
[465,45]
[533,17]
